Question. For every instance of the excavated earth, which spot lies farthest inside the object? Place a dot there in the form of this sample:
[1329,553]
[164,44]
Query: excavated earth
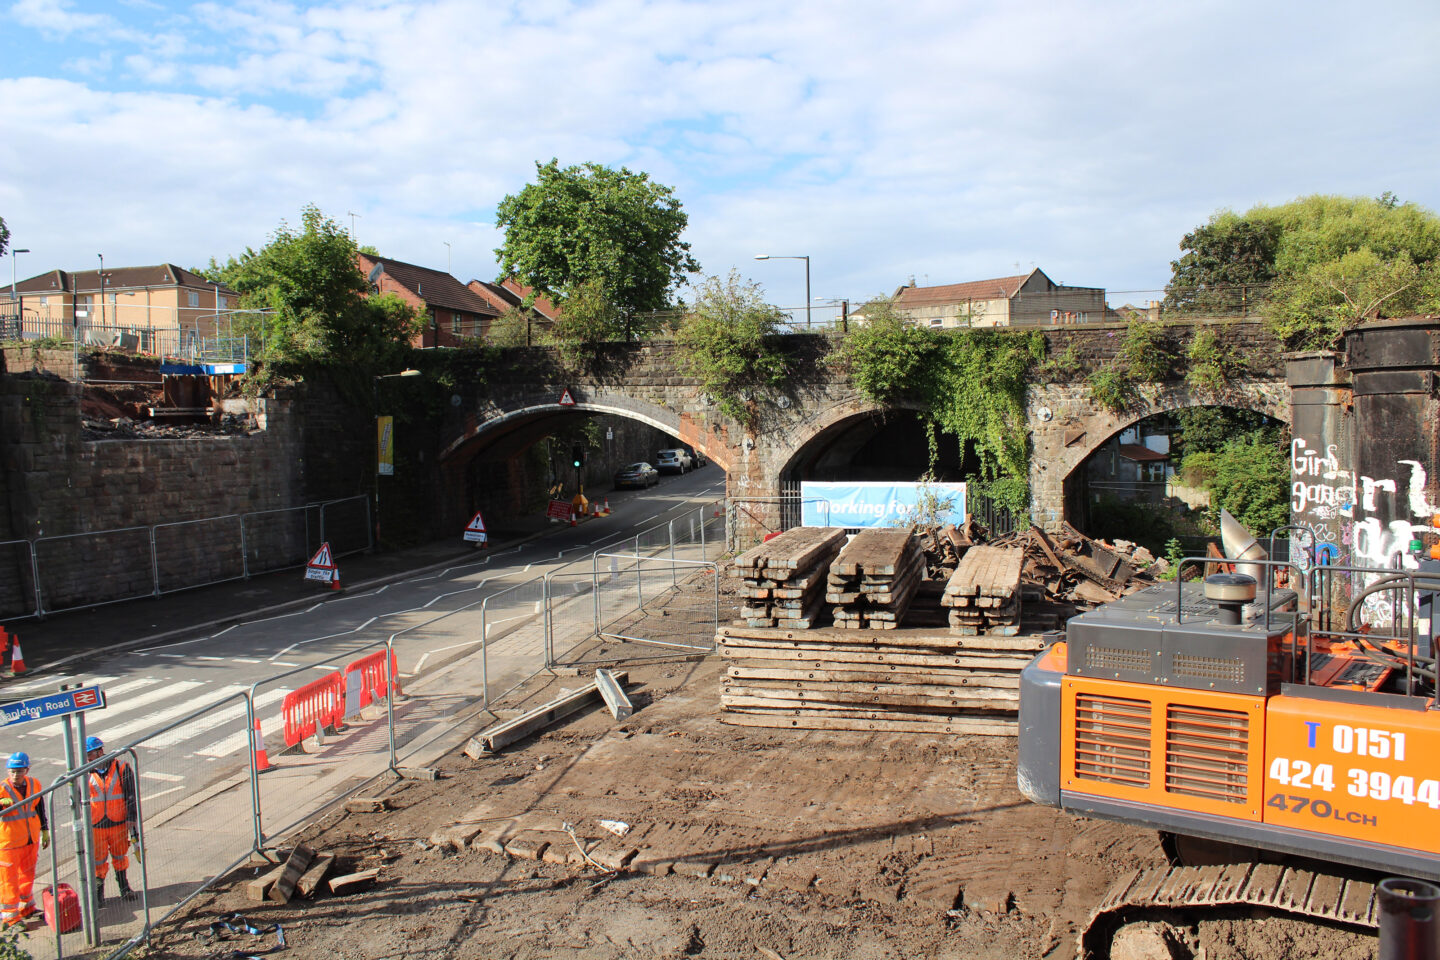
[742,842]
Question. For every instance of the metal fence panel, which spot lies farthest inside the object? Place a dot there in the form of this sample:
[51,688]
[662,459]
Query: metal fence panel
[18,595]
[279,539]
[345,525]
[192,553]
[99,568]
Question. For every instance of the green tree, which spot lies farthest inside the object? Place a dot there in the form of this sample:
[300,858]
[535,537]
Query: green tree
[1330,261]
[1221,259]
[1249,476]
[730,341]
[587,319]
[312,300]
[4,237]
[594,224]
[887,356]
[516,327]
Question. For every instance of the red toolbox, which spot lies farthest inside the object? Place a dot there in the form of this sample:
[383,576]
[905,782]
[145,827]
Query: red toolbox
[68,912]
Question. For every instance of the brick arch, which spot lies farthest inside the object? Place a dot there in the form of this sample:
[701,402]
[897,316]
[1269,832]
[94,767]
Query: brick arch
[1076,427]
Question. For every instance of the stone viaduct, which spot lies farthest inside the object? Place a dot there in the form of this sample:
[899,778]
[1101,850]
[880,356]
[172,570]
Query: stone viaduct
[521,402]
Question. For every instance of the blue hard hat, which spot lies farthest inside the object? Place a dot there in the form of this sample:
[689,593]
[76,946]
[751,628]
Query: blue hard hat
[19,760]
[94,743]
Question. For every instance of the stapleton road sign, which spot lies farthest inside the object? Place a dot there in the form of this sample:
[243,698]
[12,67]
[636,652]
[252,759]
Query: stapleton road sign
[52,705]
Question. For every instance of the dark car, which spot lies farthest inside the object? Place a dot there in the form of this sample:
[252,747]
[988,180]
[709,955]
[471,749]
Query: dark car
[637,475]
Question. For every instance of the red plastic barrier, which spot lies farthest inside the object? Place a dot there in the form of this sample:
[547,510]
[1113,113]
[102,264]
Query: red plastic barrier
[373,679]
[314,706]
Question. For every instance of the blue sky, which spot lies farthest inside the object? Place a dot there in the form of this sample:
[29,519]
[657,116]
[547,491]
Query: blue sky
[947,141]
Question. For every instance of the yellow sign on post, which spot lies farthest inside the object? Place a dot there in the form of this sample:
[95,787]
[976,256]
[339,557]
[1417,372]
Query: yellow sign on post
[385,439]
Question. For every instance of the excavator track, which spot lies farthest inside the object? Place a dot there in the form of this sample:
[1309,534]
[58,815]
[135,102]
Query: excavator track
[1280,889]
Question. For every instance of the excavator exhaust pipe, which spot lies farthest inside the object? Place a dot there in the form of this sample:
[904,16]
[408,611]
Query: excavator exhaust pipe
[1240,545]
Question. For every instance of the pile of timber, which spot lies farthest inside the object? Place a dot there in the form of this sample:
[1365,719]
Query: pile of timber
[783,579]
[983,593]
[874,579]
[914,680]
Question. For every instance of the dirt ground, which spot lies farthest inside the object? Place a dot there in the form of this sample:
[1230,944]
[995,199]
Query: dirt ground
[742,842]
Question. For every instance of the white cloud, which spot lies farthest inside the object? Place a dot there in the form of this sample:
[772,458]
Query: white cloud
[948,139]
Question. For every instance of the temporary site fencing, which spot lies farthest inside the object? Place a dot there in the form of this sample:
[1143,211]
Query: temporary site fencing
[78,570]
[315,734]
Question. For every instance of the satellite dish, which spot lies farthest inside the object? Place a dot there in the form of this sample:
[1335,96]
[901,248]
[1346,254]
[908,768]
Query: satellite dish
[375,272]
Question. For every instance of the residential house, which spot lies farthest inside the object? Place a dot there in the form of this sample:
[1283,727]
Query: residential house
[1023,300]
[454,312]
[160,309]
[512,293]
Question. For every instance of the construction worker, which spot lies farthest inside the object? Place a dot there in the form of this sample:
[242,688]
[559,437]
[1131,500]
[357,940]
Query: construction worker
[24,832]
[113,816]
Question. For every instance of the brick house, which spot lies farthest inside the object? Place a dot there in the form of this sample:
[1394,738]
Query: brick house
[511,293]
[454,312]
[1023,300]
[156,309]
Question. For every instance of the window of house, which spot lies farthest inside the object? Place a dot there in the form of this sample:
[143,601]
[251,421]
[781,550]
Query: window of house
[937,321]
[44,301]
[223,301]
[455,323]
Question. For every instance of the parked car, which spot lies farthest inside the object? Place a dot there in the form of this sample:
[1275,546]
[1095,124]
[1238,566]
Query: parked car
[637,475]
[700,459]
[676,460]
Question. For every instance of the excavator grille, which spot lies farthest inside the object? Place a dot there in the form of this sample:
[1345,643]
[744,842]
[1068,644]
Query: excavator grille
[1112,740]
[1207,753]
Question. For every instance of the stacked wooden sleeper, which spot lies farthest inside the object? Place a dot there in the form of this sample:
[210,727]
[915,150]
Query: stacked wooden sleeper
[874,579]
[983,593]
[918,680]
[783,579]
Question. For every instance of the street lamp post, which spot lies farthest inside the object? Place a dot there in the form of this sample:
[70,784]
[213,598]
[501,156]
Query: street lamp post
[14,298]
[380,441]
[766,256]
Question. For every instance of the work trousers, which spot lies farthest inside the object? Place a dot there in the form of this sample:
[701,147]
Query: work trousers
[111,843]
[17,876]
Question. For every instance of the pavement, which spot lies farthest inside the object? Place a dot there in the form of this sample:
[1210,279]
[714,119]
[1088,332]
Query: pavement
[60,637]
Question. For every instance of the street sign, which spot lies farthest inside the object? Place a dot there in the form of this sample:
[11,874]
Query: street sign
[52,705]
[565,399]
[475,529]
[559,510]
[321,566]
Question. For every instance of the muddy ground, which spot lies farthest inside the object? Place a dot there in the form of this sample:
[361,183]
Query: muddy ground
[743,842]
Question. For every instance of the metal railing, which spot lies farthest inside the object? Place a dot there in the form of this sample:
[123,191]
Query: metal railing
[76,571]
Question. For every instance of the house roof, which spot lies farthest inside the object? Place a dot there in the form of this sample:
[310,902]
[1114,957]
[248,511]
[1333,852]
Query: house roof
[998,288]
[543,305]
[498,297]
[1141,453]
[436,287]
[116,278]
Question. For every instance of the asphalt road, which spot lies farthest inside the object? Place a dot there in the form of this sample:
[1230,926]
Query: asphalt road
[150,687]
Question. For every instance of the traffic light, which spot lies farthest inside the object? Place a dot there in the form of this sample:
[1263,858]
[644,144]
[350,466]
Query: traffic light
[577,455]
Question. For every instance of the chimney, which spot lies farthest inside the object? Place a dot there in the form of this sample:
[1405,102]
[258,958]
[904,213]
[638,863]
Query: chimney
[1154,311]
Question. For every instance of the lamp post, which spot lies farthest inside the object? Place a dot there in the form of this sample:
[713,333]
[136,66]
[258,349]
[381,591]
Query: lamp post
[766,256]
[382,442]
[14,298]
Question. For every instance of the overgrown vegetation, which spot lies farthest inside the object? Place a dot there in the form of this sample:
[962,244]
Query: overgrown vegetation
[1212,363]
[967,382]
[730,342]
[1316,266]
[1247,474]
[586,320]
[1146,354]
[313,304]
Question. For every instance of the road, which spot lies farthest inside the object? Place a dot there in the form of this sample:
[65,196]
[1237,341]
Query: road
[194,772]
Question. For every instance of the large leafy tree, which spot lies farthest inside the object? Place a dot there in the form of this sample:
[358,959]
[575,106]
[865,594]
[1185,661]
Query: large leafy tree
[594,224]
[1330,262]
[311,301]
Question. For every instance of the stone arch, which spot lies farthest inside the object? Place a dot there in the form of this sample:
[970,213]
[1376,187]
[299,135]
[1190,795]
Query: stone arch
[1067,426]
[796,441]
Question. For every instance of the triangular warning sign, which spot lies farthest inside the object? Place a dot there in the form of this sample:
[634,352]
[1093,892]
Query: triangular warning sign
[475,529]
[321,566]
[565,399]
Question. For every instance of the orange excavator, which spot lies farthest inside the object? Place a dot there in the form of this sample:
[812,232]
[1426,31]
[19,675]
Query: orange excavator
[1288,754]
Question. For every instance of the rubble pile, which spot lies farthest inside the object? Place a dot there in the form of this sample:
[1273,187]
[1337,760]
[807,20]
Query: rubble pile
[874,579]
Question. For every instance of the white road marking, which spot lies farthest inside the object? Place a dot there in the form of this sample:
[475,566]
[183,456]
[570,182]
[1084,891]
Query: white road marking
[241,739]
[282,663]
[209,658]
[160,793]
[648,519]
[176,656]
[159,719]
[243,660]
[126,687]
[98,719]
[162,777]
[53,684]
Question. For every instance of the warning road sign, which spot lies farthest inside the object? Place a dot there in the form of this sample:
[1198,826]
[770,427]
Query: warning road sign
[321,566]
[565,399]
[475,529]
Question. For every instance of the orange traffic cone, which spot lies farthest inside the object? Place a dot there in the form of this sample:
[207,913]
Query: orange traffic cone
[573,521]
[607,507]
[335,580]
[17,659]
[257,749]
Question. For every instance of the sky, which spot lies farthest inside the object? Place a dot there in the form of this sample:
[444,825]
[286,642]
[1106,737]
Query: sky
[944,141]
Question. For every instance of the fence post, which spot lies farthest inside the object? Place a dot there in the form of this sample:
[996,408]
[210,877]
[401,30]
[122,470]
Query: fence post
[140,840]
[154,566]
[704,553]
[545,597]
[715,569]
[254,773]
[369,528]
[391,667]
[322,522]
[244,551]
[35,578]
[674,577]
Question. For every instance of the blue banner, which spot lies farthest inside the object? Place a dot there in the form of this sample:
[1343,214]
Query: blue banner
[842,503]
